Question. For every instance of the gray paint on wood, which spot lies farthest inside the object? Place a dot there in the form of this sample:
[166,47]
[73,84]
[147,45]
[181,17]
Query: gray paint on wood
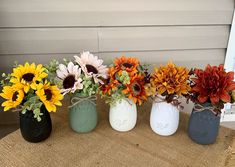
[163,38]
[47,40]
[189,58]
[35,13]
[74,40]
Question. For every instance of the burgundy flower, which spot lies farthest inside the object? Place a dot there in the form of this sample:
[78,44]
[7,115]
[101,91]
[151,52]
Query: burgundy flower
[213,84]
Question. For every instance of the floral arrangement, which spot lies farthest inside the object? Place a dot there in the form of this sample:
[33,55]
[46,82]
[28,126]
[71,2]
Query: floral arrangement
[81,77]
[126,79]
[169,82]
[27,89]
[213,85]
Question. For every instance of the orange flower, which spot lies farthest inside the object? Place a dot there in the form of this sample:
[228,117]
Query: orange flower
[112,72]
[109,87]
[126,80]
[171,79]
[135,89]
[128,64]
[111,83]
[213,84]
[150,89]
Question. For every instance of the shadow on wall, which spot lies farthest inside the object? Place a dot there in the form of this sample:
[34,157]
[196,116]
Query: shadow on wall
[8,117]
[8,121]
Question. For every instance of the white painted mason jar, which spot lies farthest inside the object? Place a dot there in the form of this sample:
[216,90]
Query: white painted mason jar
[164,118]
[123,115]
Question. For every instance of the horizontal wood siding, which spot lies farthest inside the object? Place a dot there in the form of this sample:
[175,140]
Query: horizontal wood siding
[163,38]
[74,40]
[47,40]
[37,13]
[189,58]
[190,32]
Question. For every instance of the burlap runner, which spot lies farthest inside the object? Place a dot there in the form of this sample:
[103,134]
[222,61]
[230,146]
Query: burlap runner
[106,147]
[230,159]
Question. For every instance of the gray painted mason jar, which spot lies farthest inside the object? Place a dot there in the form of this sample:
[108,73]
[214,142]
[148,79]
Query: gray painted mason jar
[203,125]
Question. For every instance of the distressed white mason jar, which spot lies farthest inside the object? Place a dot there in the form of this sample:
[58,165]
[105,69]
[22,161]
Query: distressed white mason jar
[164,118]
[123,115]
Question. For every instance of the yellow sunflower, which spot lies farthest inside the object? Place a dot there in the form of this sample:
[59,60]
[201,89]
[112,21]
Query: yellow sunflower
[14,96]
[28,75]
[49,95]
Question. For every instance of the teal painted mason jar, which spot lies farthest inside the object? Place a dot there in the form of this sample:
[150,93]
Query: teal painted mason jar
[83,116]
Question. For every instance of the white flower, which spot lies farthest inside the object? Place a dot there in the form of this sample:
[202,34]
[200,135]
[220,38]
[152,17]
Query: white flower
[92,66]
[70,77]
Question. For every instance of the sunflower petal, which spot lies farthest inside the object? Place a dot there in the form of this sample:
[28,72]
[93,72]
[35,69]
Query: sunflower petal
[70,67]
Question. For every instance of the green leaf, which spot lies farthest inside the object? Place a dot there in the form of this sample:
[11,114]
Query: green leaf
[24,111]
[37,114]
[39,119]
[38,105]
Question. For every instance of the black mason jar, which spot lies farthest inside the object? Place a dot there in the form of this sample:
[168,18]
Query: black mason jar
[32,130]
[203,125]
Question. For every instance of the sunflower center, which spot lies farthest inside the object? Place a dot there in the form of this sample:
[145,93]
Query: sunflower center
[48,94]
[28,77]
[14,96]
[91,68]
[69,81]
[127,65]
[137,89]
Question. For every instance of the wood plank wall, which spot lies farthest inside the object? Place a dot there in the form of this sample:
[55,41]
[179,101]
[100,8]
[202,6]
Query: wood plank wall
[190,32]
